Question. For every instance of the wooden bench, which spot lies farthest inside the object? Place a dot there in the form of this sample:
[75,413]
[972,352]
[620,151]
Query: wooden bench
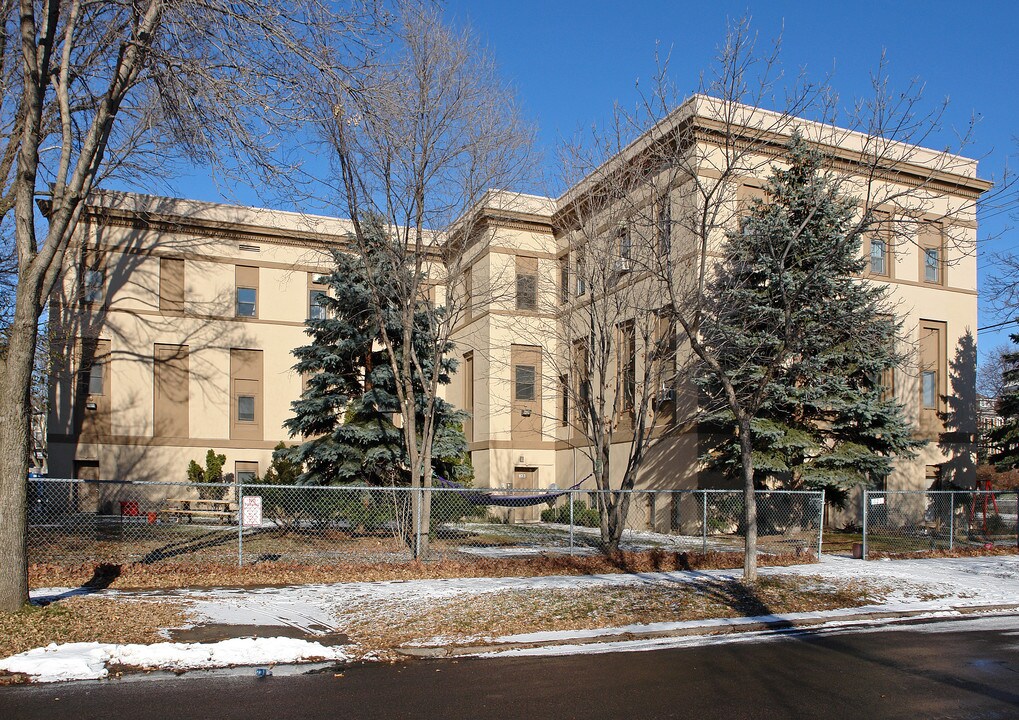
[191,508]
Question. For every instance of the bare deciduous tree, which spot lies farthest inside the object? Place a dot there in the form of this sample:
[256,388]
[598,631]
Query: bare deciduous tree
[704,152]
[419,140]
[99,89]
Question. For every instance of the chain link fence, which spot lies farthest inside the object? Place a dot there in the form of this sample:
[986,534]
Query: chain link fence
[81,521]
[926,520]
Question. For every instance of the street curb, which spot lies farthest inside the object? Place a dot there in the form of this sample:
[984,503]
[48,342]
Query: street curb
[749,626]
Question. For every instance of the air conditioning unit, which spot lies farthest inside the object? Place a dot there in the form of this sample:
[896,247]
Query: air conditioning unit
[622,265]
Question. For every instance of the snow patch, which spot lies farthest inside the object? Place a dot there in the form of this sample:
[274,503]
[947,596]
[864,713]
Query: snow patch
[91,661]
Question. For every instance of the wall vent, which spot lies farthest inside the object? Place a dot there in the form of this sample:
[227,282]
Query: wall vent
[249,248]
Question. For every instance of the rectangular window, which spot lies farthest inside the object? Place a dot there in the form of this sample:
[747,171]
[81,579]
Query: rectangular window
[933,365]
[524,382]
[246,408]
[468,292]
[247,299]
[581,269]
[527,283]
[932,253]
[929,389]
[664,226]
[625,242]
[171,285]
[246,282]
[932,265]
[96,377]
[246,472]
[316,308]
[94,284]
[878,257]
[564,279]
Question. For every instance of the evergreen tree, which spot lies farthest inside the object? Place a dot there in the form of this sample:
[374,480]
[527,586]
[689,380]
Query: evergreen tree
[1004,440]
[347,411]
[806,343]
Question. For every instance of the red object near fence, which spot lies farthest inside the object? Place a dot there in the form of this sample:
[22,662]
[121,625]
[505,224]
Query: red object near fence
[129,508]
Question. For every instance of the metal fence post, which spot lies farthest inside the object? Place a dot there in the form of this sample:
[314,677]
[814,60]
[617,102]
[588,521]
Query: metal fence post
[571,520]
[240,523]
[951,519]
[704,522]
[417,521]
[1017,519]
[820,527]
[866,502]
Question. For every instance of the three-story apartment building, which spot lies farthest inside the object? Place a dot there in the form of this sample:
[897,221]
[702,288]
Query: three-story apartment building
[174,326]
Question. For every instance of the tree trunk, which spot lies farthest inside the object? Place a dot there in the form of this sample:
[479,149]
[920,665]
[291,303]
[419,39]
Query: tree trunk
[15,447]
[746,452]
[617,520]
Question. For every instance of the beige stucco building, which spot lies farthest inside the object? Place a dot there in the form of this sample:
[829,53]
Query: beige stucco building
[174,326]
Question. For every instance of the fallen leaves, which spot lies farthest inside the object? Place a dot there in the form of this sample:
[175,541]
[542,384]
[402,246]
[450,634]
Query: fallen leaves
[265,574]
[87,619]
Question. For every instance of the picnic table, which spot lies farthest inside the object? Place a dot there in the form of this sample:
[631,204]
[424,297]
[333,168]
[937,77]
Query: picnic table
[187,509]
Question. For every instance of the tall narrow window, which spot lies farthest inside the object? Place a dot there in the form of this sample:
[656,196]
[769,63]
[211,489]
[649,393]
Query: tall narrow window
[878,257]
[468,293]
[932,260]
[877,244]
[929,389]
[581,270]
[92,417]
[524,382]
[564,279]
[627,365]
[316,307]
[94,282]
[932,265]
[247,291]
[97,377]
[564,389]
[171,285]
[581,357]
[625,241]
[318,290]
[527,283]
[469,395]
[933,362]
[664,226]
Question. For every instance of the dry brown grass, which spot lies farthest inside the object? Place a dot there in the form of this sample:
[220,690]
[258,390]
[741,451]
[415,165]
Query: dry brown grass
[87,619]
[954,553]
[179,575]
[475,618]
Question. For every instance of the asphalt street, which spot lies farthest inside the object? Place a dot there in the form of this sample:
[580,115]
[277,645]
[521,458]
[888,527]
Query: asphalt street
[966,668]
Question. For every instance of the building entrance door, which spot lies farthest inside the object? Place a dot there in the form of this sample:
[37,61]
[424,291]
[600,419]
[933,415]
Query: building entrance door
[525,478]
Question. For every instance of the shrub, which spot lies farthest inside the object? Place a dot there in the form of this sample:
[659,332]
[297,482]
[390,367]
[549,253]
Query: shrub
[212,473]
[582,515]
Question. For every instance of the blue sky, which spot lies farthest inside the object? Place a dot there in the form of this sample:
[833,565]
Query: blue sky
[570,60]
